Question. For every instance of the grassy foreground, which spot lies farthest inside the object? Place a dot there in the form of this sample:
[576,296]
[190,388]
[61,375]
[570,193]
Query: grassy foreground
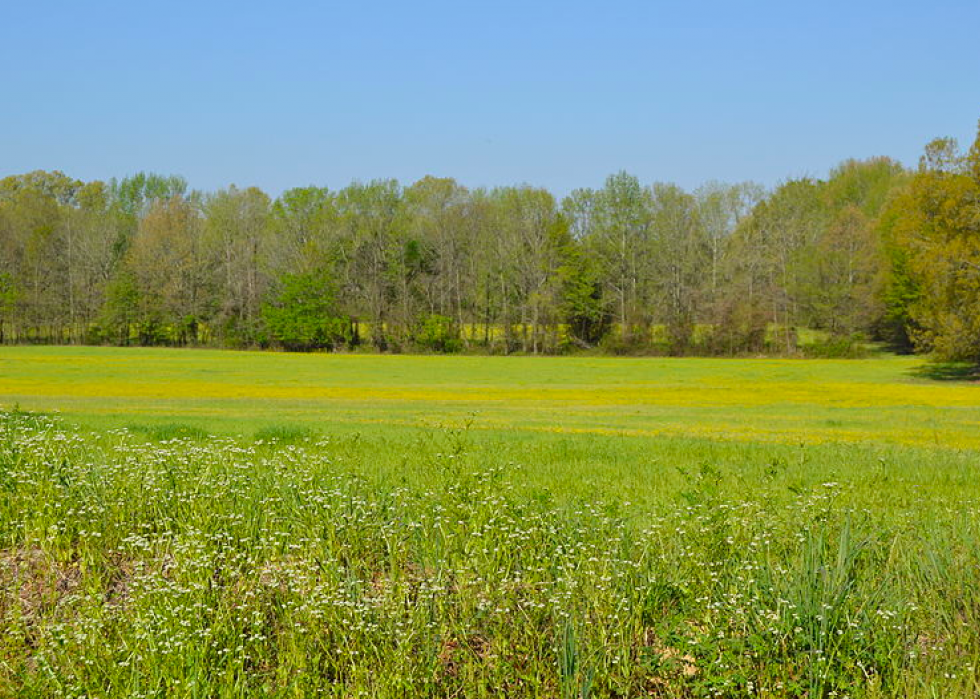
[422,526]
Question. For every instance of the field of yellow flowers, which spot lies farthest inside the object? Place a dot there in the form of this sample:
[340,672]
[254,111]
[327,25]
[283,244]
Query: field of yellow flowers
[882,401]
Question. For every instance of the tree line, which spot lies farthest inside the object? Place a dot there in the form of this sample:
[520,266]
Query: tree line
[874,252]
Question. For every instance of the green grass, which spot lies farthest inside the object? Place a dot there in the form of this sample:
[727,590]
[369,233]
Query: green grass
[886,401]
[208,524]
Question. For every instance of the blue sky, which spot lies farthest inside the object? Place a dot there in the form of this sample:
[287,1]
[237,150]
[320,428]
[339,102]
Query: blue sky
[558,94]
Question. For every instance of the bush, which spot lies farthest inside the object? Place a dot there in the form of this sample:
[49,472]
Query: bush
[837,347]
[303,317]
[638,341]
[439,334]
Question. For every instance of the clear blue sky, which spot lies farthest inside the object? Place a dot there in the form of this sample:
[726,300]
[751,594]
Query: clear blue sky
[558,94]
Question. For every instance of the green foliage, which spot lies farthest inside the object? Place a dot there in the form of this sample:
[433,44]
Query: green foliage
[135,193]
[118,313]
[302,316]
[837,347]
[439,334]
[896,325]
[935,226]
[8,299]
[583,308]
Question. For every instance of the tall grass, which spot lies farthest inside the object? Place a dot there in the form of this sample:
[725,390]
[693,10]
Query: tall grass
[218,567]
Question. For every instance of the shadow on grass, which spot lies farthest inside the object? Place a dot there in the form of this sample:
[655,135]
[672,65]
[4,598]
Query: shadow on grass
[947,371]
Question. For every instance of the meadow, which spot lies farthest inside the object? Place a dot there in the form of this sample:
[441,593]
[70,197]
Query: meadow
[180,523]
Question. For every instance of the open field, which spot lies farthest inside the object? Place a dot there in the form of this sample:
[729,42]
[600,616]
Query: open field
[879,401]
[218,524]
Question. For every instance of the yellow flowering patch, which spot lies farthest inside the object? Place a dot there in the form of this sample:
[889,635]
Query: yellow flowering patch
[752,400]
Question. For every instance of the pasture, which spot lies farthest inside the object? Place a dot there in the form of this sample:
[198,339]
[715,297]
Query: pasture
[877,401]
[221,524]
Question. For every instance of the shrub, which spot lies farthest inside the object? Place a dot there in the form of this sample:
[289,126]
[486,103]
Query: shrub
[837,347]
[303,315]
[439,334]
